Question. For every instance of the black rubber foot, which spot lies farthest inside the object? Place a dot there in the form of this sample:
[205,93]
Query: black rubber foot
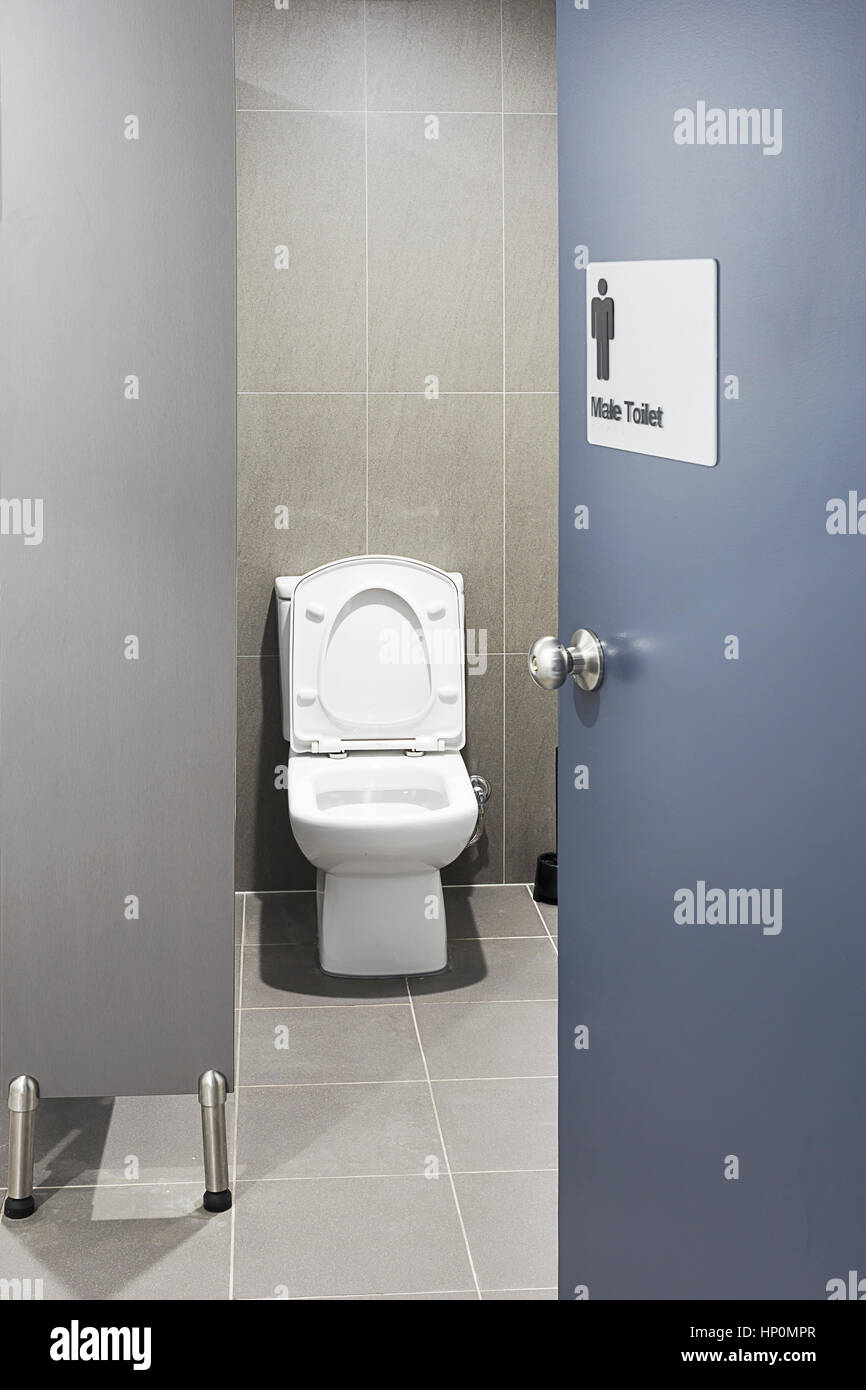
[16,1208]
[218,1201]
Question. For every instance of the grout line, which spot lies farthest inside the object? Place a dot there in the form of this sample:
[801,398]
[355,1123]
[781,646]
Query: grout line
[369,1297]
[413,1293]
[366,306]
[372,110]
[528,1288]
[504,424]
[396,1003]
[510,936]
[443,1145]
[421,394]
[372,1297]
[419,1293]
[95,1186]
[234,1158]
[337,1004]
[386,1081]
[268,892]
[491,936]
[360,1177]
[543,920]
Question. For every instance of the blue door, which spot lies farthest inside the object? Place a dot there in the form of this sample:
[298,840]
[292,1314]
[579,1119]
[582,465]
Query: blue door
[712,790]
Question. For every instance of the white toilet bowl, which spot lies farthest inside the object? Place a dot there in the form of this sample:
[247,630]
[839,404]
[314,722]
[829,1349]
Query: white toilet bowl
[379,827]
[373,688]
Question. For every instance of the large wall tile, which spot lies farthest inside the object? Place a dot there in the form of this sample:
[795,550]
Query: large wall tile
[530,771]
[529,54]
[435,253]
[531,283]
[483,862]
[306,454]
[266,856]
[531,511]
[301,185]
[435,483]
[439,55]
[307,55]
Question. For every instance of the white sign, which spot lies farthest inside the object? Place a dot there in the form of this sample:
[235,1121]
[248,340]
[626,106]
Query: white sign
[651,359]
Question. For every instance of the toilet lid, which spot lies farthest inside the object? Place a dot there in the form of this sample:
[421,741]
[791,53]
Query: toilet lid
[377,657]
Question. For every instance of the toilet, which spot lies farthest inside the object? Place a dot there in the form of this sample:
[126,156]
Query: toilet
[374,710]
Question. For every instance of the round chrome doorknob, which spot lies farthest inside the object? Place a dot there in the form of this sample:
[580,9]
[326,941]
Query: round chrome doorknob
[550,662]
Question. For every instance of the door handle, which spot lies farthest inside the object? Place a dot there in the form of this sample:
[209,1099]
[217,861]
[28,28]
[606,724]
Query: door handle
[550,662]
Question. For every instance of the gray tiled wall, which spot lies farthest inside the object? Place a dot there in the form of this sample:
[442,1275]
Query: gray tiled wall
[408,258]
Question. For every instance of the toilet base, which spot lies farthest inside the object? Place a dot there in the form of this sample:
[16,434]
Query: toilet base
[372,927]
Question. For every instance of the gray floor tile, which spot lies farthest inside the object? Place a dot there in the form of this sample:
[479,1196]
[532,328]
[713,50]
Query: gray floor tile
[281,919]
[120,1243]
[329,1044]
[124,1139]
[487,970]
[493,1125]
[490,910]
[348,1236]
[337,1131]
[510,1221]
[549,913]
[280,975]
[481,1040]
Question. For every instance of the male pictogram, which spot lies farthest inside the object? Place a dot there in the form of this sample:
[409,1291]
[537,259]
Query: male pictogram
[601,315]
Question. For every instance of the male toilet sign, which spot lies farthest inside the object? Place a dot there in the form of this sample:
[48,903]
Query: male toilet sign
[651,358]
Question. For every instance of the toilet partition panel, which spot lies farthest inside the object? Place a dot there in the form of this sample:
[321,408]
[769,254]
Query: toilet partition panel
[117,544]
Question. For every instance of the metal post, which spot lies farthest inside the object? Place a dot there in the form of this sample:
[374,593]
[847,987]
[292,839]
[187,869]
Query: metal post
[23,1100]
[212,1099]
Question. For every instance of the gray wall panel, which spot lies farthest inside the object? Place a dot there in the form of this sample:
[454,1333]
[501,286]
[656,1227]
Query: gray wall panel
[117,776]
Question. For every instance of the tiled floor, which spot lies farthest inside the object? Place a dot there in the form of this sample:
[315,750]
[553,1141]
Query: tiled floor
[389,1139]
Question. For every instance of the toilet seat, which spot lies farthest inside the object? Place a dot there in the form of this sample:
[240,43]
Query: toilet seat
[375,656]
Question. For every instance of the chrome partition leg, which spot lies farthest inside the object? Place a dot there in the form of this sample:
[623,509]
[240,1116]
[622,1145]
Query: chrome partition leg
[212,1099]
[23,1100]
